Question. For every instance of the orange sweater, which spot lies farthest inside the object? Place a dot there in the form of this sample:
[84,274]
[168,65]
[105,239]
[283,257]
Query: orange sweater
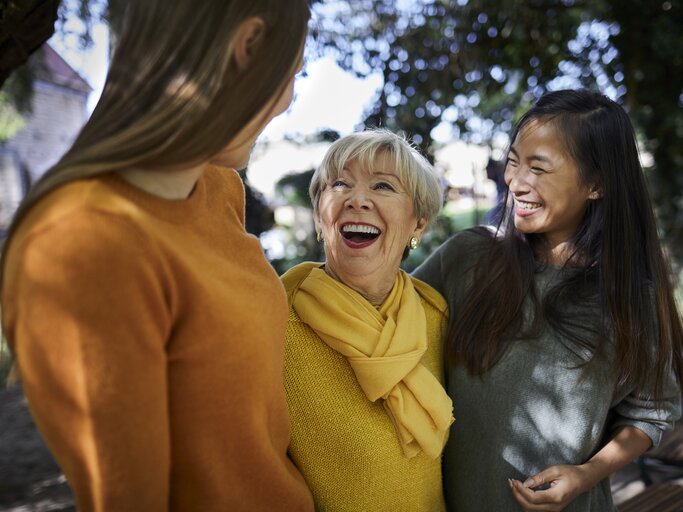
[149,336]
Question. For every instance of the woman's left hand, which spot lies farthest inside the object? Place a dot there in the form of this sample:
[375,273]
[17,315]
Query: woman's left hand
[559,484]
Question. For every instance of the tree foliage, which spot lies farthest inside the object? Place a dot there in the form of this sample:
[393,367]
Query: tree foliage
[475,65]
[471,65]
[25,25]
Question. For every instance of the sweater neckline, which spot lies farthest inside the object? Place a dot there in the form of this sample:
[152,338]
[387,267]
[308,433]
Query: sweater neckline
[175,210]
[549,268]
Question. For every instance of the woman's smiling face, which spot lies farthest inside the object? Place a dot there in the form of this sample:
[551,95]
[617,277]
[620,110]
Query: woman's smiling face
[367,218]
[544,183]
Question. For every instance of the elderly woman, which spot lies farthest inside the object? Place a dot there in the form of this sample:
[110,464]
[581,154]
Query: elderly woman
[363,354]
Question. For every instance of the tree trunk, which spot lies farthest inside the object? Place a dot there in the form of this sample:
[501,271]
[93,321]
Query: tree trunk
[24,27]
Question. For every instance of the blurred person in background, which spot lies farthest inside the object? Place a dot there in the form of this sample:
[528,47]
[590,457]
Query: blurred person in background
[495,171]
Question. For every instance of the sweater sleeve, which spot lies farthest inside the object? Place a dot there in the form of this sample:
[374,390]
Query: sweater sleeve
[639,410]
[446,268]
[89,322]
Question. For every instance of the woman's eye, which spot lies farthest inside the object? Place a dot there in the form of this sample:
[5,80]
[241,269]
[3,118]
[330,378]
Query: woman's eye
[511,162]
[338,183]
[382,185]
[537,170]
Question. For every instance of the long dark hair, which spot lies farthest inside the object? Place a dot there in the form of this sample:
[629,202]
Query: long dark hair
[618,265]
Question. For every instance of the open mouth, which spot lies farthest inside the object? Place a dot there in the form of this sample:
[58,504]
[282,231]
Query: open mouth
[525,205]
[359,233]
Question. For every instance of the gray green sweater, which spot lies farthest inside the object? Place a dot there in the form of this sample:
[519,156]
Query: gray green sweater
[534,408]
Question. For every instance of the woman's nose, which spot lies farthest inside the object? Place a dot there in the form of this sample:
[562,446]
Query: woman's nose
[359,199]
[514,179]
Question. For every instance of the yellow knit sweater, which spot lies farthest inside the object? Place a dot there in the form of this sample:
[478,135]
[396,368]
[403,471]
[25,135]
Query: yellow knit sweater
[346,446]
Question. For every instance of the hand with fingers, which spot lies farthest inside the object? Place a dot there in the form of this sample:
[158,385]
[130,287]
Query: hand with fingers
[552,489]
[555,487]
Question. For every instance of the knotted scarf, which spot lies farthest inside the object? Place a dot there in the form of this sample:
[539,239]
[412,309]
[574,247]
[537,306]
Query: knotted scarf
[384,348]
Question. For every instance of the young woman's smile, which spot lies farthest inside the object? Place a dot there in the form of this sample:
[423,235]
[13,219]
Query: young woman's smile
[545,186]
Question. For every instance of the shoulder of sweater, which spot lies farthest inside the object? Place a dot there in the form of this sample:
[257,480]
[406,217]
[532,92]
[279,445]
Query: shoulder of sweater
[231,187]
[72,246]
[83,221]
[82,235]
[464,249]
[86,194]
[85,205]
[222,176]
[472,238]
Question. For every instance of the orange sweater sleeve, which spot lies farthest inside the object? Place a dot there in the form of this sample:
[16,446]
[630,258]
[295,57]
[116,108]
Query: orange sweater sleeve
[93,320]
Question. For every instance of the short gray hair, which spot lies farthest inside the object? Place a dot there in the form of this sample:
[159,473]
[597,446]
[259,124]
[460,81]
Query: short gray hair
[416,174]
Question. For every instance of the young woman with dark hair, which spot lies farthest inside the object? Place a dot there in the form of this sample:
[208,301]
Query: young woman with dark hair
[565,344]
[147,325]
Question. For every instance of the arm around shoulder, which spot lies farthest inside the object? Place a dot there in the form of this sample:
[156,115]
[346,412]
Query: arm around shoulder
[451,258]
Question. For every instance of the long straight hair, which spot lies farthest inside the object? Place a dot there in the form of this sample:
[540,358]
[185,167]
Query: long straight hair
[618,263]
[174,94]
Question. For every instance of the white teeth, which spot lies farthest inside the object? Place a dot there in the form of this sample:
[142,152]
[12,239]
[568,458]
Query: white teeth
[360,228]
[527,206]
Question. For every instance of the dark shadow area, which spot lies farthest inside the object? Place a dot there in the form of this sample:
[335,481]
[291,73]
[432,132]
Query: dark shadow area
[30,480]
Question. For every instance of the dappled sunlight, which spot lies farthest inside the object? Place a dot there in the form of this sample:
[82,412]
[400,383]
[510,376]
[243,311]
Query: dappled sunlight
[550,411]
[184,89]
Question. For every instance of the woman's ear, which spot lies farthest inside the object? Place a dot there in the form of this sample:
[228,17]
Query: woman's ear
[595,193]
[316,222]
[248,37]
[420,228]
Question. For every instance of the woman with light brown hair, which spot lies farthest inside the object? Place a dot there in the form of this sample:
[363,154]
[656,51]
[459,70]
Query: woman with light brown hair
[129,282]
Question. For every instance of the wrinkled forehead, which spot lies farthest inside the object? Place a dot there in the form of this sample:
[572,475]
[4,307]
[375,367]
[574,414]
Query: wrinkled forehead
[381,161]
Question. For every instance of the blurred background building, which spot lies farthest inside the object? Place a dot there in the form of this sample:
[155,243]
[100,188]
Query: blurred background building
[57,111]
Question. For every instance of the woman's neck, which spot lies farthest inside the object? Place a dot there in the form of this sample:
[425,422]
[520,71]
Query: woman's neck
[559,254]
[374,293]
[173,184]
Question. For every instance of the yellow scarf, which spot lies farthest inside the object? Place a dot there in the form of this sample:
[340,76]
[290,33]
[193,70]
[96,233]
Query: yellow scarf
[384,348]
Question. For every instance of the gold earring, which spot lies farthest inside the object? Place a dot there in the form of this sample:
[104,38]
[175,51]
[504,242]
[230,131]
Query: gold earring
[319,236]
[413,243]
